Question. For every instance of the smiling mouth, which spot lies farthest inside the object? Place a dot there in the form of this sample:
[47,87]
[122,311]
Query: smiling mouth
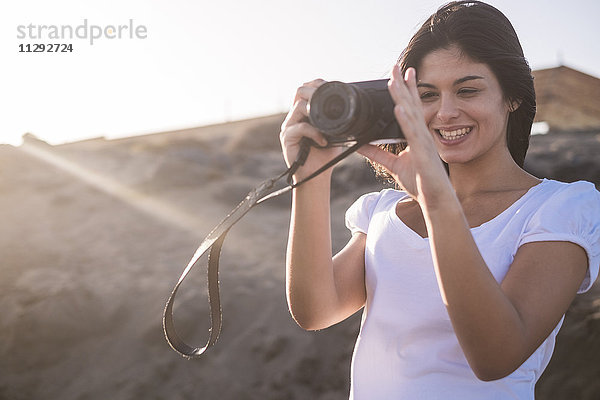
[455,134]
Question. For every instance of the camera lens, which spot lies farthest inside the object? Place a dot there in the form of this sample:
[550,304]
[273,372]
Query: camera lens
[334,106]
[350,112]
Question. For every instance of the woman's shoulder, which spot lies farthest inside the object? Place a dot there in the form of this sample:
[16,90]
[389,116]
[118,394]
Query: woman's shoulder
[360,212]
[559,184]
[559,206]
[556,191]
[567,212]
[553,200]
[383,197]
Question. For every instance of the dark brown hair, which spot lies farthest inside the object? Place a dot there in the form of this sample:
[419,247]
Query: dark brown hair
[485,35]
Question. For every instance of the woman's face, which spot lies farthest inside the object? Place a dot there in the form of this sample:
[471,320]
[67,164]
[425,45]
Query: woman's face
[464,106]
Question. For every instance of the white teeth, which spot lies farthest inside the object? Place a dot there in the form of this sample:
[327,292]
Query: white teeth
[453,135]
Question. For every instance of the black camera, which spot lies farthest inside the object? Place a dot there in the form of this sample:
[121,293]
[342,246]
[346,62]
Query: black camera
[349,112]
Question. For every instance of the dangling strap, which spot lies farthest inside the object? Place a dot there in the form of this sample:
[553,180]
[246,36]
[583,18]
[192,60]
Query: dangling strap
[214,242]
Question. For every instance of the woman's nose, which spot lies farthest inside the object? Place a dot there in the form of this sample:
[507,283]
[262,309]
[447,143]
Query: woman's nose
[447,109]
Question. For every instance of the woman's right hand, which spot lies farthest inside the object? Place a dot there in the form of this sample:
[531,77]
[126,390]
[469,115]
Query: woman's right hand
[320,291]
[296,126]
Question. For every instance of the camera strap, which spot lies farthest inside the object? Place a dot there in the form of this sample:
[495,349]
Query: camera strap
[214,242]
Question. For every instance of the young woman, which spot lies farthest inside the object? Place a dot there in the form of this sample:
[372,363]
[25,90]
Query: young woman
[465,274]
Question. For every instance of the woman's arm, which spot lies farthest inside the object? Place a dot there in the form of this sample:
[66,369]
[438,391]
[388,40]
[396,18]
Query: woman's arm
[321,291]
[500,325]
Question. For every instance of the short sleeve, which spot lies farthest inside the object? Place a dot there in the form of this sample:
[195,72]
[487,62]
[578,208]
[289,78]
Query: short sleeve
[572,214]
[359,213]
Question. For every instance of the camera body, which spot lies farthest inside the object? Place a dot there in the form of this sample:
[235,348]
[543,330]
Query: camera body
[349,112]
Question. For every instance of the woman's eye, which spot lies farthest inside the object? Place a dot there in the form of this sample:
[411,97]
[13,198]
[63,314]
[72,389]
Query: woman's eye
[428,95]
[467,91]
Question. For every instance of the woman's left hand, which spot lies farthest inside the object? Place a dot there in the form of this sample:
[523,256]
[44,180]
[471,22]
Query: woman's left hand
[418,169]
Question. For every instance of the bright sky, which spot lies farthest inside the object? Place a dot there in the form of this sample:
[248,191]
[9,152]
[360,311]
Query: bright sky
[206,62]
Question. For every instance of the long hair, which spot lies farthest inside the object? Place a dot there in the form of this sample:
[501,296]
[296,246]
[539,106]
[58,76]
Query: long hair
[485,35]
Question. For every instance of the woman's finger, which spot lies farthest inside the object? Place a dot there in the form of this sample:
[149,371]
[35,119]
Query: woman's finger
[306,91]
[298,113]
[410,78]
[378,155]
[408,110]
[294,133]
[299,110]
[397,87]
[409,120]
[403,89]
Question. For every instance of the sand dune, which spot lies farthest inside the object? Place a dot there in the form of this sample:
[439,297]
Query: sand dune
[89,258]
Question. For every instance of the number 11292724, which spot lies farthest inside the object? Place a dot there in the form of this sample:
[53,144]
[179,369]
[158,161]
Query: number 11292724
[45,48]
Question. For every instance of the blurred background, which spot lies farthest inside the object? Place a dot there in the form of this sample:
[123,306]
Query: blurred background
[118,158]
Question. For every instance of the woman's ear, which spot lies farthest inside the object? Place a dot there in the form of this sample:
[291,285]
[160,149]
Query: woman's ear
[513,105]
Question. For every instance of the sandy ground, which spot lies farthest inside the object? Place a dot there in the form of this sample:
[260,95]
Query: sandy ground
[95,234]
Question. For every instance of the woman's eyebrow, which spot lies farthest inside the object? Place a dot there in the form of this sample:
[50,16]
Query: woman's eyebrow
[456,82]
[467,78]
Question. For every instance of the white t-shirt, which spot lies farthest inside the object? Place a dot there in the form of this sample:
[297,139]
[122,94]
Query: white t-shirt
[407,348]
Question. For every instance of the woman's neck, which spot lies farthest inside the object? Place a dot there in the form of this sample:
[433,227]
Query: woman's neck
[492,173]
